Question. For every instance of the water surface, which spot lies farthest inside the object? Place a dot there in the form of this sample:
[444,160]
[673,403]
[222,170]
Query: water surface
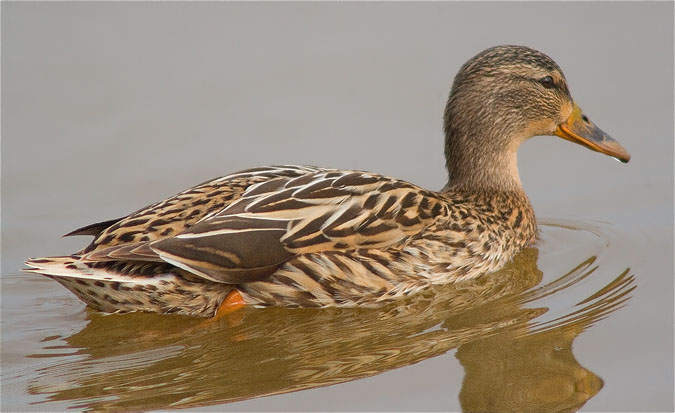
[512,333]
[110,106]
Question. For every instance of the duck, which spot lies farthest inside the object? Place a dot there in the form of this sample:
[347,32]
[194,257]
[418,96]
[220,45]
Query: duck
[304,236]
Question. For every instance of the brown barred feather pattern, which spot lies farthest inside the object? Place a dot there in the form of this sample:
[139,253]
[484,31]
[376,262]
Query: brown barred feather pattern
[303,236]
[297,236]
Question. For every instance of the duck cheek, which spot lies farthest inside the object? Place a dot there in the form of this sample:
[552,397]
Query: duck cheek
[566,110]
[540,127]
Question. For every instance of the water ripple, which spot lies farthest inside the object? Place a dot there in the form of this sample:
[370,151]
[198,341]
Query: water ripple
[512,332]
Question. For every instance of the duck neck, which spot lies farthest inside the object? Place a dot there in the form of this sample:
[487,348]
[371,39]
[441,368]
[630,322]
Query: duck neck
[474,167]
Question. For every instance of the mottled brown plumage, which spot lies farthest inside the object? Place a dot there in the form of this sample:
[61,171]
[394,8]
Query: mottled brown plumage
[305,236]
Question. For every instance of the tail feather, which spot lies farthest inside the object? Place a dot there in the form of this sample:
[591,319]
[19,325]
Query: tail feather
[133,286]
[70,267]
[93,229]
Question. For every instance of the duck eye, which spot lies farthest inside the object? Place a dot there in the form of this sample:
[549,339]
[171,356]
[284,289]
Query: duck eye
[547,82]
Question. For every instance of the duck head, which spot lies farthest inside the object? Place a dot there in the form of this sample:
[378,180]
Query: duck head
[502,97]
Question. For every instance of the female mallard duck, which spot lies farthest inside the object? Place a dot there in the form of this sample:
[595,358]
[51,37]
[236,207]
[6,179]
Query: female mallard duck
[305,236]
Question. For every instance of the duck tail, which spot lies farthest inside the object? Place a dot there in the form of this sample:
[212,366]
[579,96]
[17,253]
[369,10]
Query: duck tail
[118,287]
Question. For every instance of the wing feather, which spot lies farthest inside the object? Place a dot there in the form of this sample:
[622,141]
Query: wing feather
[285,217]
[137,251]
[231,256]
[173,215]
[242,227]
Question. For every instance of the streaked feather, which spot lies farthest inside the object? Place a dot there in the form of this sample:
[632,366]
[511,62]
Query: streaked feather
[305,236]
[294,236]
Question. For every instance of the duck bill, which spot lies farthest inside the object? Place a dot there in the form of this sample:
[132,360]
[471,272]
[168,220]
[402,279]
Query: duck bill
[579,129]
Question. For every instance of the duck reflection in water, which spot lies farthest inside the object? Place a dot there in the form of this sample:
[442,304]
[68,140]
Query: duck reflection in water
[511,361]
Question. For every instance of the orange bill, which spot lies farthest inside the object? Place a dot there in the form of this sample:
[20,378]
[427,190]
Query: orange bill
[579,129]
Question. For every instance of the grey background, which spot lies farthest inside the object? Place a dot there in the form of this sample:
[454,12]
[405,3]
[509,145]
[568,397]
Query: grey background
[107,107]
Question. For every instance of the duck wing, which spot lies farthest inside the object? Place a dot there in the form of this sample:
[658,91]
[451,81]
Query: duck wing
[280,218]
[128,238]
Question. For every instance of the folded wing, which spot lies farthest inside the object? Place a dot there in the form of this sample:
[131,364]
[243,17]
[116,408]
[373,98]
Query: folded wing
[282,217]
